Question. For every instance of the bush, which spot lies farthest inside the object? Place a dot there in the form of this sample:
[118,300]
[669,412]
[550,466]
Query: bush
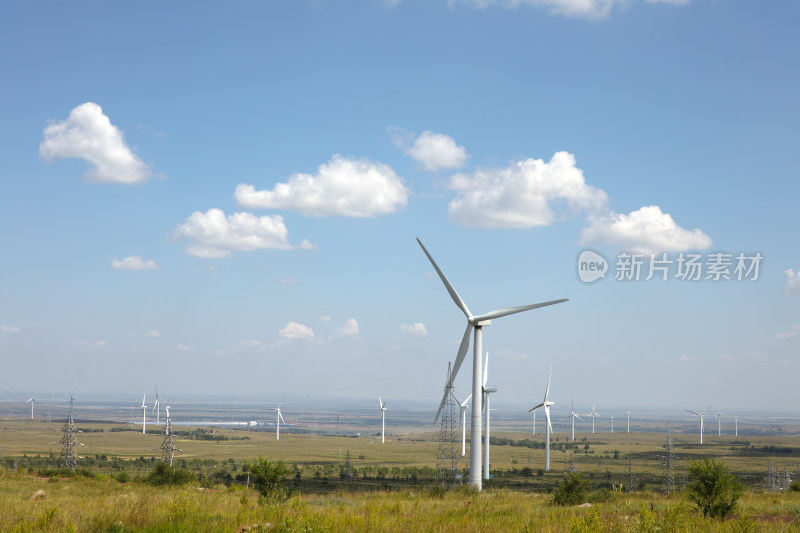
[270,480]
[714,489]
[571,490]
[163,474]
[795,486]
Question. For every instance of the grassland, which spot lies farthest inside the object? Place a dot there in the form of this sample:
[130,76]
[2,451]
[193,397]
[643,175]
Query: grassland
[389,487]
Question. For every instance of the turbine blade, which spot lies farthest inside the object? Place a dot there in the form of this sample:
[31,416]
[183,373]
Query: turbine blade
[380,402]
[453,294]
[281,417]
[547,390]
[707,408]
[696,414]
[464,404]
[284,397]
[535,408]
[462,351]
[547,415]
[441,406]
[486,370]
[497,313]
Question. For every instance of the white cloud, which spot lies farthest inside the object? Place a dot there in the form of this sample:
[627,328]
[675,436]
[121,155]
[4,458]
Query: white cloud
[251,344]
[592,9]
[726,358]
[153,334]
[511,355]
[9,329]
[96,344]
[685,358]
[350,328]
[346,187]
[88,134]
[305,244]
[792,282]
[789,334]
[645,230]
[415,330]
[288,281]
[293,330]
[217,235]
[134,262]
[525,194]
[437,151]
[325,318]
[185,348]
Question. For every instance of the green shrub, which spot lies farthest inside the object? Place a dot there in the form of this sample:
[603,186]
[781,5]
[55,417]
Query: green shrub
[163,474]
[270,480]
[795,486]
[571,490]
[714,489]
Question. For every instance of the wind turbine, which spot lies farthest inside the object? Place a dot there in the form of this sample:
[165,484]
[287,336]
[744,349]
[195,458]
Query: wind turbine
[31,401]
[701,415]
[719,424]
[574,415]
[278,418]
[382,404]
[477,323]
[534,422]
[737,425]
[592,414]
[144,414]
[612,424]
[463,406]
[487,391]
[629,420]
[157,408]
[548,428]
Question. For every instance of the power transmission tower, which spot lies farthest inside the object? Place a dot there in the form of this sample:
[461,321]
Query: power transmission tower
[669,459]
[772,478]
[631,477]
[168,444]
[448,453]
[69,442]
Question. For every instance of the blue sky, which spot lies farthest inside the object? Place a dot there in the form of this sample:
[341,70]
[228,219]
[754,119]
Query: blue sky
[224,198]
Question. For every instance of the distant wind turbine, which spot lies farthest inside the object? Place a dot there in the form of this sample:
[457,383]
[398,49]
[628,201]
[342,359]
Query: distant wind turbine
[737,425]
[487,392]
[548,428]
[157,408]
[592,414]
[144,414]
[701,415]
[382,405]
[463,406]
[477,323]
[574,415]
[31,401]
[629,420]
[278,418]
[612,424]
[719,424]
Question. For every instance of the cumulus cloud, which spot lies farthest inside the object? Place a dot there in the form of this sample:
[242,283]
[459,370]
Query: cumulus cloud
[153,334]
[350,328]
[789,334]
[134,262]
[592,9]
[325,318]
[345,187]
[185,348]
[525,194]
[9,329]
[89,135]
[216,235]
[792,285]
[415,330]
[437,151]
[293,331]
[646,230]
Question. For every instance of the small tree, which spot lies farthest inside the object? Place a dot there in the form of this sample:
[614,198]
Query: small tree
[270,479]
[714,490]
[571,490]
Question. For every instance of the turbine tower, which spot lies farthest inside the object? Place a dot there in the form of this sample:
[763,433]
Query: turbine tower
[534,422]
[477,323]
[548,428]
[144,414]
[463,406]
[737,425]
[487,391]
[719,424]
[278,418]
[574,415]
[629,420]
[701,415]
[157,408]
[31,401]
[382,405]
[592,414]
[612,424]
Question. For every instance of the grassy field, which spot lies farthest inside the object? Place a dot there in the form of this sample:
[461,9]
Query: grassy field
[516,499]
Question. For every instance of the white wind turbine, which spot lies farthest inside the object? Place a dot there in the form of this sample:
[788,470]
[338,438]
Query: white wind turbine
[144,414]
[487,391]
[31,401]
[629,420]
[574,415]
[157,408]
[592,414]
[382,404]
[612,424]
[737,425]
[701,415]
[278,418]
[719,424]
[477,323]
[463,406]
[548,428]
[534,422]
